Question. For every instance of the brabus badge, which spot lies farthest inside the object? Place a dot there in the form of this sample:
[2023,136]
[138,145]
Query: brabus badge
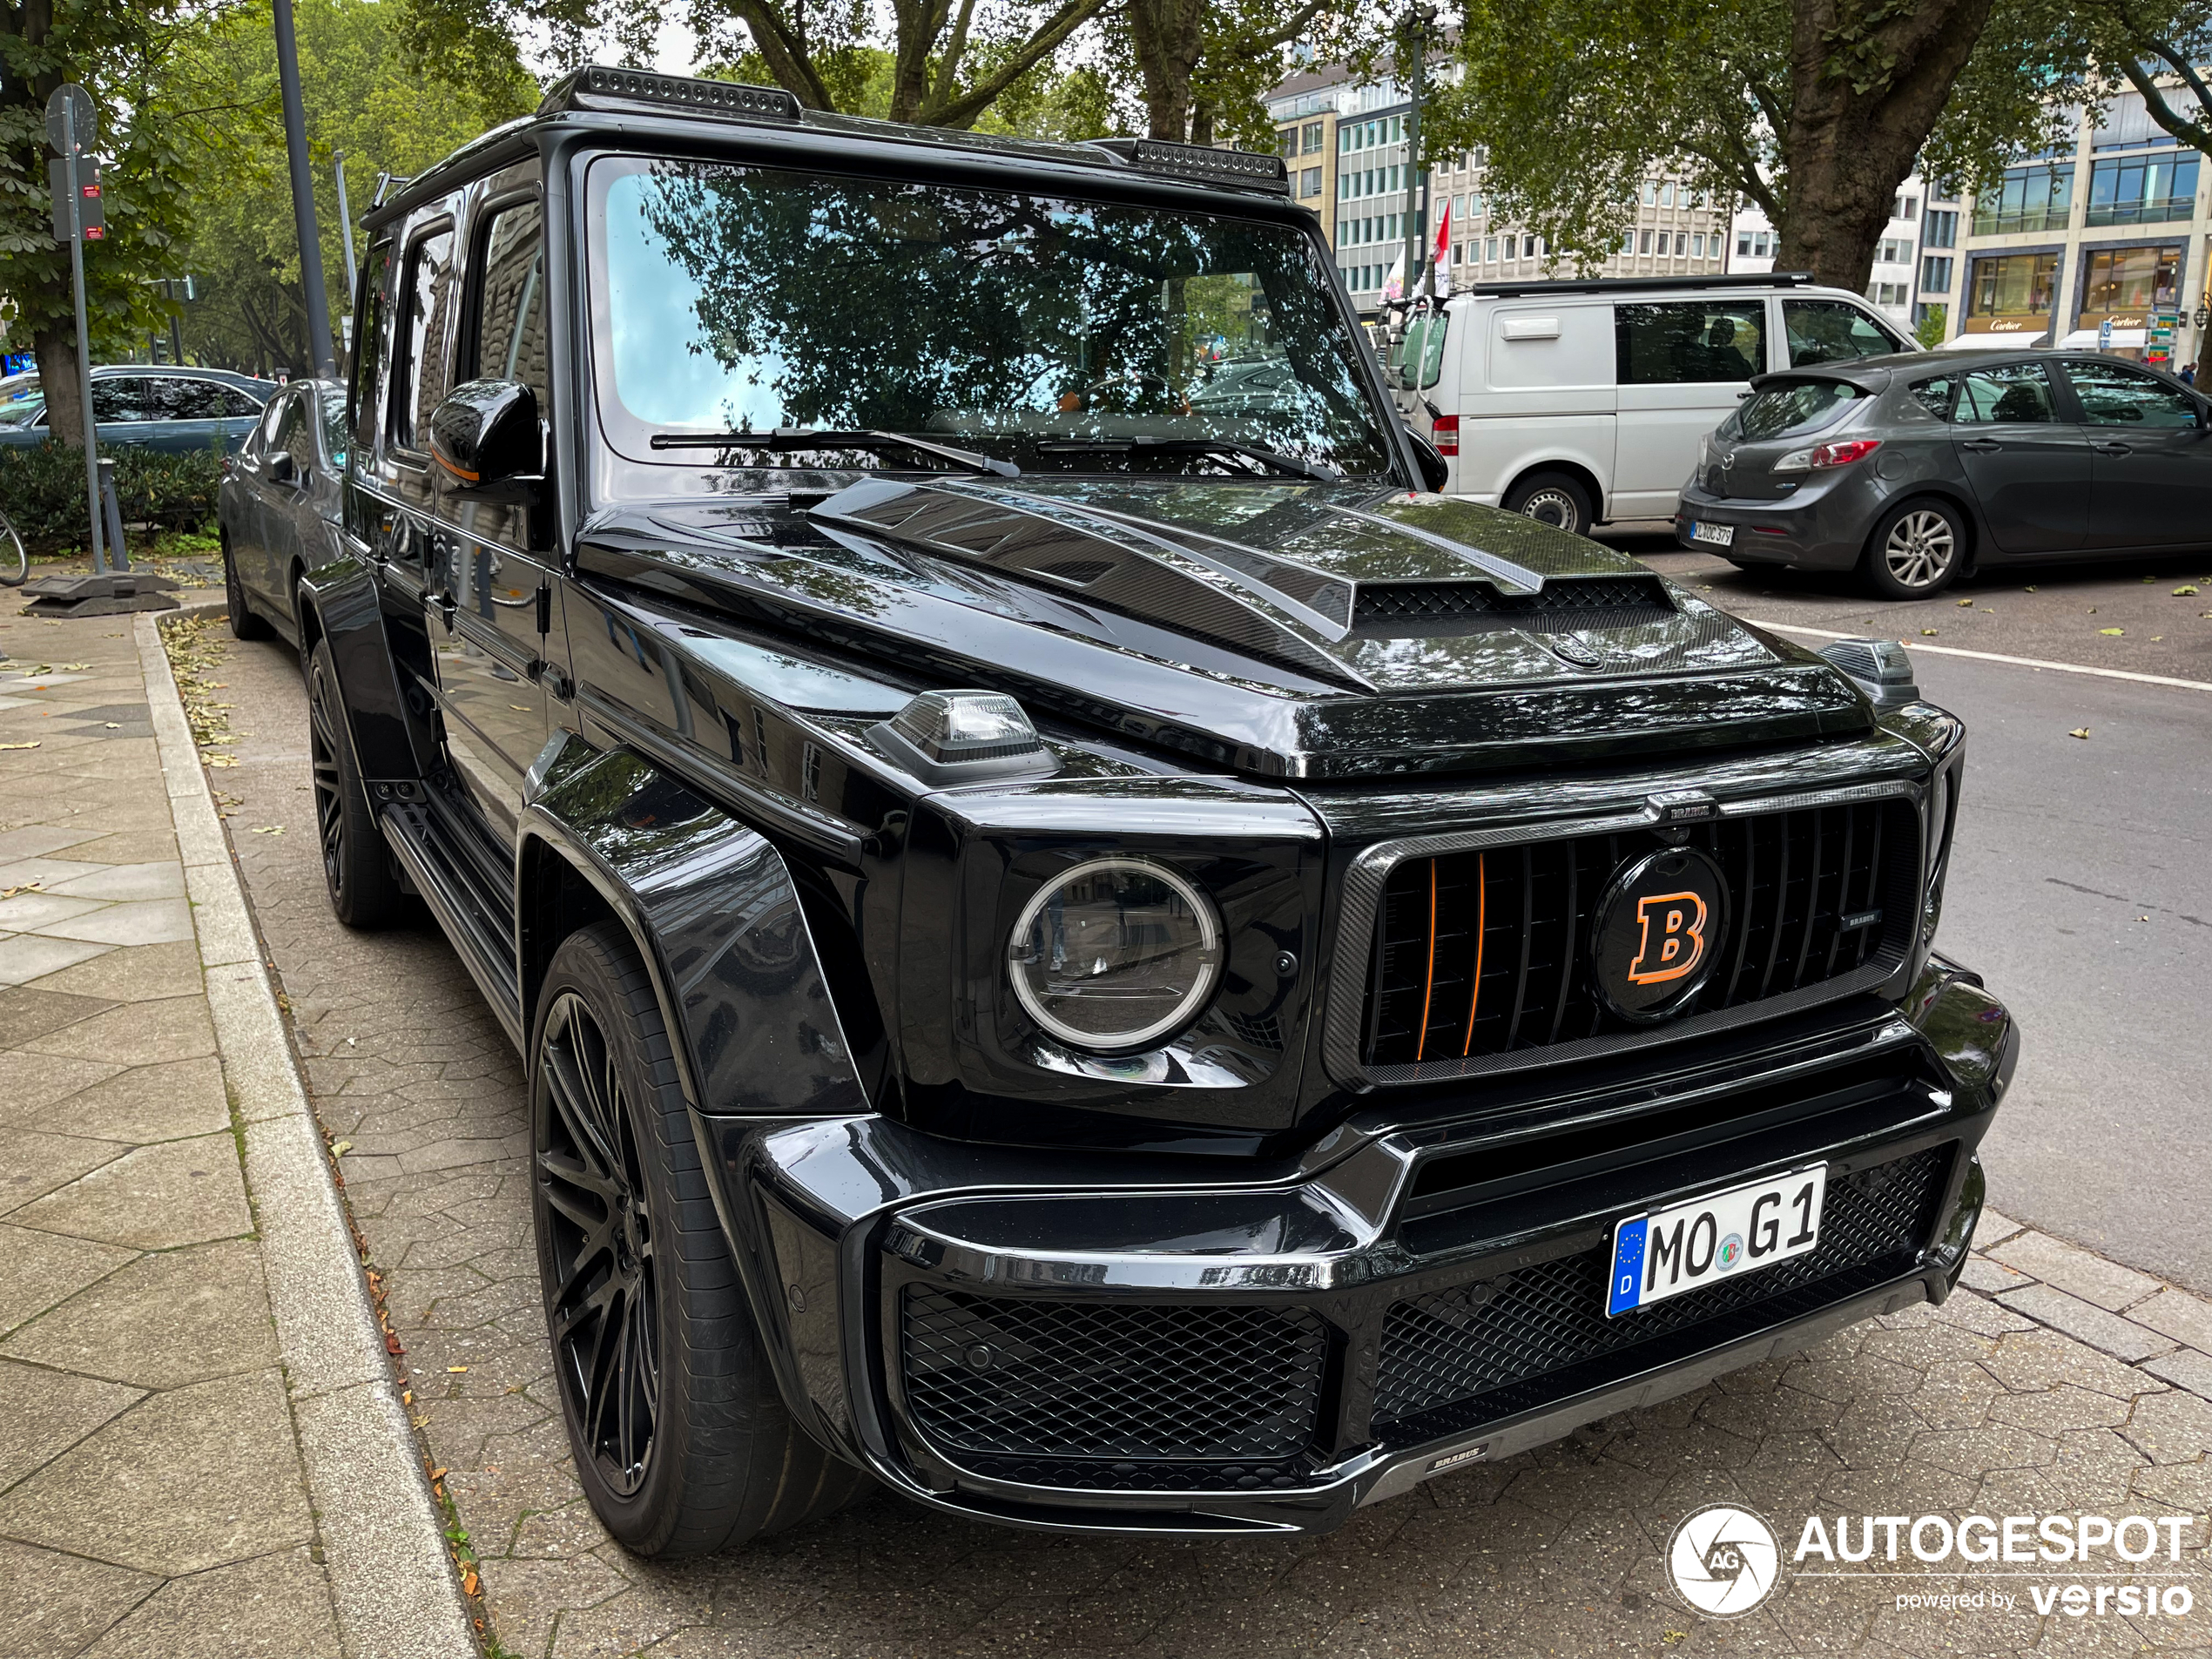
[1658,933]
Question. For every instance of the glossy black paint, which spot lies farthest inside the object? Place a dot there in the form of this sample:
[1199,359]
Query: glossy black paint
[486,436]
[648,694]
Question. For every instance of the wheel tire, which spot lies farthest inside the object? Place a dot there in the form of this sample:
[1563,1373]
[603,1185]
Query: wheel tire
[1553,498]
[684,1444]
[1918,547]
[246,622]
[356,868]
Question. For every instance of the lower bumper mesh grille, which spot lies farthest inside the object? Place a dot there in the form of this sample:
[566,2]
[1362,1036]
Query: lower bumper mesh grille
[1477,1352]
[1031,1379]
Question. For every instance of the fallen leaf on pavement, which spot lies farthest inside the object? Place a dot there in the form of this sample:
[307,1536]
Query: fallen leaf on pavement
[2112,632]
[391,1344]
[2028,589]
[438,1474]
[339,1149]
[2078,731]
[1929,632]
[469,1582]
[1964,605]
[2185,592]
[33,743]
[456,1370]
[28,886]
[270,829]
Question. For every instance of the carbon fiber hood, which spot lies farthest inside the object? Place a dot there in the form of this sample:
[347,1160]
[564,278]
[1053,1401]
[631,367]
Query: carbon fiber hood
[1374,610]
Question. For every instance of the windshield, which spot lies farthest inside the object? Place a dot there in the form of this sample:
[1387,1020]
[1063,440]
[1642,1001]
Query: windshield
[1061,335]
[21,401]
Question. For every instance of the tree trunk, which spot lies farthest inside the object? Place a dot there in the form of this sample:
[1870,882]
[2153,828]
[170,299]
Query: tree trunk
[1170,37]
[55,343]
[1858,122]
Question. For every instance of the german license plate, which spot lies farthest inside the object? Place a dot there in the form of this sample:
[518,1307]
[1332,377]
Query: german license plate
[1725,1235]
[1718,535]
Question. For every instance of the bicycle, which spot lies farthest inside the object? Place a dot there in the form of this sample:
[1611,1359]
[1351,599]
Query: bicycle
[12,553]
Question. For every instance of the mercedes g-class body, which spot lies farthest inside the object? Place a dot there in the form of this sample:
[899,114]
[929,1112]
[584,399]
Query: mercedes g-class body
[1087,948]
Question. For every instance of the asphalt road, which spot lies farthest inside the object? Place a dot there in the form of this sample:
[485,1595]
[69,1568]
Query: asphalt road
[2081,881]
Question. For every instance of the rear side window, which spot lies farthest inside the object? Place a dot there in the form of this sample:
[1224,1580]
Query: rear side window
[425,310]
[366,395]
[1829,330]
[184,400]
[1794,407]
[1675,345]
[1934,395]
[2010,394]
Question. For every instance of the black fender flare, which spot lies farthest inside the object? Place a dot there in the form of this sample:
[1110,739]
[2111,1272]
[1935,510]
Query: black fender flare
[338,602]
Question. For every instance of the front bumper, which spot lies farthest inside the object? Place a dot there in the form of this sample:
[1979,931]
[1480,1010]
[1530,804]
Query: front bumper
[1091,1342]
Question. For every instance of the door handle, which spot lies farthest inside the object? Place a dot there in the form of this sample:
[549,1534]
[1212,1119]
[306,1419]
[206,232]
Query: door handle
[2113,448]
[1982,446]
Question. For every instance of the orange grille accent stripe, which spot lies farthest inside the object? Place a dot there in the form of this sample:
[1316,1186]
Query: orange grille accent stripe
[1428,989]
[1481,922]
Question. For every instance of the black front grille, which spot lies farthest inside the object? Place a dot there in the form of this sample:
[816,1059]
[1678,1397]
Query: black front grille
[1395,609]
[1483,952]
[1028,1378]
[1472,1354]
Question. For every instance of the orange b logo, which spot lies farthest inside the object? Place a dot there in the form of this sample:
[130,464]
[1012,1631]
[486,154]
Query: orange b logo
[1679,943]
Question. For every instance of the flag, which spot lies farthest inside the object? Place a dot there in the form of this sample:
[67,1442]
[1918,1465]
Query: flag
[1393,286]
[1441,260]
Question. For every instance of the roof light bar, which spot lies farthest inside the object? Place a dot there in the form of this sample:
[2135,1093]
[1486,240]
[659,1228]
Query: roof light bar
[1198,161]
[598,87]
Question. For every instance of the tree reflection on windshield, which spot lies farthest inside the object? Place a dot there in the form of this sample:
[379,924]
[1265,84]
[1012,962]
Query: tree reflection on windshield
[1046,331]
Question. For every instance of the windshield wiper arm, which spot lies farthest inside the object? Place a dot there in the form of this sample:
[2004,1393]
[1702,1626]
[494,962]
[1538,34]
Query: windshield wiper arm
[807,437]
[1318,470]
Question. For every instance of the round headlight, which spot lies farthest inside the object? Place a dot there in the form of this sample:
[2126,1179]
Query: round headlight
[1114,954]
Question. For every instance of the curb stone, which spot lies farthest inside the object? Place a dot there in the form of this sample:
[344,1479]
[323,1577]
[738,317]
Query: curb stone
[383,1540]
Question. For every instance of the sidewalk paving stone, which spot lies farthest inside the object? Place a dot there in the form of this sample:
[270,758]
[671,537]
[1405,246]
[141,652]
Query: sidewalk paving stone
[154,1498]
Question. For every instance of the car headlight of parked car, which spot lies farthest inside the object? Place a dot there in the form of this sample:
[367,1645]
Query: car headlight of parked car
[1114,954]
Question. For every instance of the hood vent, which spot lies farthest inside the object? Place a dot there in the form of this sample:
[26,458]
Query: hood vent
[1430,610]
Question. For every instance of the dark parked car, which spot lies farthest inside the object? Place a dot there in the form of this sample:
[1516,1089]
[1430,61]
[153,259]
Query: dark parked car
[174,410]
[277,510]
[1101,965]
[1913,469]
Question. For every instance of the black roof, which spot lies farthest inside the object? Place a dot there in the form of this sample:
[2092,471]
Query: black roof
[598,92]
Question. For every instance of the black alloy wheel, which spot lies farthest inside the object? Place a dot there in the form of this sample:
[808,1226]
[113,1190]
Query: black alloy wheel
[597,1233]
[356,868]
[246,622]
[1553,498]
[681,1438]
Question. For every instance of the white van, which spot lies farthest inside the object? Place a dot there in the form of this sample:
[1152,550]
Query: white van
[1579,402]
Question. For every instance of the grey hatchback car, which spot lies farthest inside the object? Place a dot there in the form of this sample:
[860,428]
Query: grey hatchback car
[1914,468]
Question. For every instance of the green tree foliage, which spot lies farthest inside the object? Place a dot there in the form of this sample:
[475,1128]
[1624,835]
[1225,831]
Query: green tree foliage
[1202,67]
[1815,110]
[363,97]
[162,120]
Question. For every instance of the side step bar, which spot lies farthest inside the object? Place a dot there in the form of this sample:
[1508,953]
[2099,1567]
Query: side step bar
[440,874]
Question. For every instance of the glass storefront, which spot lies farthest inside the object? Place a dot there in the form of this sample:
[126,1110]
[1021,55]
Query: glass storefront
[2130,281]
[2011,294]
[2147,187]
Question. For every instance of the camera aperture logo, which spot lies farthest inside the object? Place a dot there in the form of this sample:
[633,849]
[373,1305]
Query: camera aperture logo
[1723,1561]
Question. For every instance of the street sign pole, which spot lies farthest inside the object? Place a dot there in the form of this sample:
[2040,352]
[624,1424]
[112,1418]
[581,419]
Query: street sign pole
[70,125]
[303,197]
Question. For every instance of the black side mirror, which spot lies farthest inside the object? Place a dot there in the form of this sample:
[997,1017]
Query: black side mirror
[1436,471]
[485,438]
[281,468]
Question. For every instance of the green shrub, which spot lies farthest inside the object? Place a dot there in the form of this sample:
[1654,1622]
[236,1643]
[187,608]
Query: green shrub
[42,490]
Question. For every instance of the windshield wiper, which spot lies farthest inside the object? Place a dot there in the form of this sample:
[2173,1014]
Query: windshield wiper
[1317,471]
[807,437]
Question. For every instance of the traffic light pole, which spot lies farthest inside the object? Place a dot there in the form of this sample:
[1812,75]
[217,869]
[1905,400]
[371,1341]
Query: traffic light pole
[85,357]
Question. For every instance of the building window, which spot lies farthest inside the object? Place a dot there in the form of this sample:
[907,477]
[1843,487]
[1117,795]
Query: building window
[1643,242]
[1286,142]
[1754,245]
[2030,198]
[1935,275]
[2146,188]
[1530,246]
[1682,243]
[1310,182]
[1894,249]
[1908,208]
[1312,145]
[1889,294]
[2130,279]
[2017,285]
[1490,251]
[1940,229]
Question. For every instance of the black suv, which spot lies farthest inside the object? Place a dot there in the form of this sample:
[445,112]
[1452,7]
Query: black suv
[1087,949]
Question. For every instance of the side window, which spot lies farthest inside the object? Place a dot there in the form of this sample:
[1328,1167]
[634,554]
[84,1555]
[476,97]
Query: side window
[1934,395]
[510,318]
[370,348]
[184,400]
[1675,345]
[236,404]
[122,397]
[1830,331]
[336,438]
[292,435]
[2009,393]
[2112,396]
[424,310]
